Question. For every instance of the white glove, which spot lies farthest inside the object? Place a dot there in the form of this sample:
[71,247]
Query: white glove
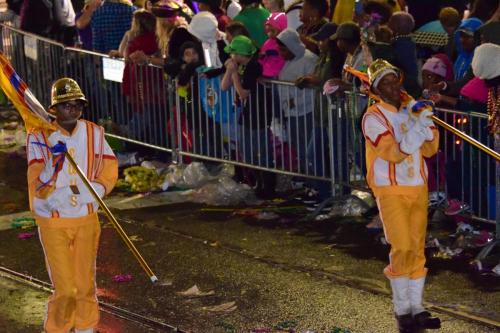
[55,137]
[85,197]
[61,196]
[413,139]
[424,118]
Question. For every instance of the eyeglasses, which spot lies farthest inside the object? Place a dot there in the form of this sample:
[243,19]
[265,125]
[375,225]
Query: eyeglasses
[69,106]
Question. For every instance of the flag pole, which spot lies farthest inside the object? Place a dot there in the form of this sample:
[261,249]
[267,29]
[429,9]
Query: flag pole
[113,220]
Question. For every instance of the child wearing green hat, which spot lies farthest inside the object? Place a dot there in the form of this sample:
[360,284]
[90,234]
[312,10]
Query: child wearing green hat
[242,72]
[242,69]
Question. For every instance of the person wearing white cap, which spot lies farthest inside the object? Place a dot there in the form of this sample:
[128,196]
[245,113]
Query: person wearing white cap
[204,27]
[486,66]
[233,8]
[399,133]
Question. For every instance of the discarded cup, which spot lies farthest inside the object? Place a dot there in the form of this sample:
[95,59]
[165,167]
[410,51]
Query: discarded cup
[25,235]
[122,278]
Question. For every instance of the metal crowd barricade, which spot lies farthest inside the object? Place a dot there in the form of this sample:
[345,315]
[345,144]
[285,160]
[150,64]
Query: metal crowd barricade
[462,171]
[138,105]
[38,60]
[140,115]
[281,128]
[261,132]
[459,170]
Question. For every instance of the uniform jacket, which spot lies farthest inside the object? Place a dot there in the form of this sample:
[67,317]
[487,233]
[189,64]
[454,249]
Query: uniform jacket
[93,155]
[390,169]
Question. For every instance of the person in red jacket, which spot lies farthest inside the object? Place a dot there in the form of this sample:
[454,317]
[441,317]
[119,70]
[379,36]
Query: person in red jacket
[141,83]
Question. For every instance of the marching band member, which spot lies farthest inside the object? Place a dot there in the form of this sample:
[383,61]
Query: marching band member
[65,210]
[399,133]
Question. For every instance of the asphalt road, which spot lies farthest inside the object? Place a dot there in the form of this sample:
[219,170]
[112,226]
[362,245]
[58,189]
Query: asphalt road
[319,275]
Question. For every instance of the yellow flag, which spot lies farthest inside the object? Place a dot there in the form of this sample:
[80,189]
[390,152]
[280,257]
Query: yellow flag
[34,115]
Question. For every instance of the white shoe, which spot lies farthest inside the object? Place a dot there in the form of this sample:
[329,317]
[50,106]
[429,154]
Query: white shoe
[436,199]
[416,292]
[400,295]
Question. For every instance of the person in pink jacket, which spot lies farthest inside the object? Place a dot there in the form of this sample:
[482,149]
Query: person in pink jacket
[269,57]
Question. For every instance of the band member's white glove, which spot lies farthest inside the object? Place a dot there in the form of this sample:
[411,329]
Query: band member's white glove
[415,137]
[61,196]
[424,118]
[55,138]
[85,197]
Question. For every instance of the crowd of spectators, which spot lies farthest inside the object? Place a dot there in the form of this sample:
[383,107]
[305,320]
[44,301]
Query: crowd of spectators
[304,42]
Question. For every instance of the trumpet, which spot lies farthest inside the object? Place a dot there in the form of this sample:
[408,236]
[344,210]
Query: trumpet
[466,137]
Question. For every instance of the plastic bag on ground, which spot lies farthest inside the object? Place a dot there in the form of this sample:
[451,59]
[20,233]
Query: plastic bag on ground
[350,206]
[174,176]
[158,166]
[367,197]
[126,159]
[194,291]
[196,175]
[223,191]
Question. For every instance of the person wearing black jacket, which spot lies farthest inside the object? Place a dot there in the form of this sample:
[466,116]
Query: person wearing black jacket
[37,16]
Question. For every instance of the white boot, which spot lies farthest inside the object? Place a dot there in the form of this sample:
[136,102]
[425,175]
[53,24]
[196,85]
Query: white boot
[400,296]
[423,318]
[88,330]
[416,292]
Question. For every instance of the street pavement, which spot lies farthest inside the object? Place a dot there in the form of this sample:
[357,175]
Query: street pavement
[252,274]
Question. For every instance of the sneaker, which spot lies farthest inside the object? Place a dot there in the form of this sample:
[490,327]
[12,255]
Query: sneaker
[456,207]
[436,199]
[464,228]
[309,196]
